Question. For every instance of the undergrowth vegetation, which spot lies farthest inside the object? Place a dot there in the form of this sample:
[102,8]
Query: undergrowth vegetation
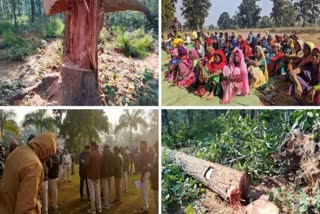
[242,139]
[135,44]
[26,38]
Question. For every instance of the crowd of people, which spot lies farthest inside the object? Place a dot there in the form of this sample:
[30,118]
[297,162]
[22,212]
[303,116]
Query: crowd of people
[30,174]
[227,65]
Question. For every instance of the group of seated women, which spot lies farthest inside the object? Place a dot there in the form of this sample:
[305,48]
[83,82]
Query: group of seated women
[227,67]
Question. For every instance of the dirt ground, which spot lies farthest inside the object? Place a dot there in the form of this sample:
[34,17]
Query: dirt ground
[36,81]
[69,198]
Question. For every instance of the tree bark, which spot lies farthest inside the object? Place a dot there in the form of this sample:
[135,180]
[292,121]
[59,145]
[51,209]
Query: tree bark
[32,10]
[222,180]
[80,55]
[13,2]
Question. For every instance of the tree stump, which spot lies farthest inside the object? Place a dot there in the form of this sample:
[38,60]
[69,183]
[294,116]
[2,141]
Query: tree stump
[224,181]
[83,23]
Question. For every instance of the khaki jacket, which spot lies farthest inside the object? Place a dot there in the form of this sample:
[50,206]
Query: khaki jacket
[20,186]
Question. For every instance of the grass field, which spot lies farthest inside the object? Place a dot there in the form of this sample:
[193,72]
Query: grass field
[69,198]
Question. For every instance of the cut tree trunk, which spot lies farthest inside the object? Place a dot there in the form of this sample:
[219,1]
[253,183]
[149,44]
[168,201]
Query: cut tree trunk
[83,23]
[224,181]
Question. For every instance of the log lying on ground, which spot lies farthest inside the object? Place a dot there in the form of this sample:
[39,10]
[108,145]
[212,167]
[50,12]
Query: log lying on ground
[224,181]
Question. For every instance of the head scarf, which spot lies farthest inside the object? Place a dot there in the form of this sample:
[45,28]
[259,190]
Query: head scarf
[263,56]
[182,52]
[301,44]
[243,68]
[213,67]
[194,53]
[308,58]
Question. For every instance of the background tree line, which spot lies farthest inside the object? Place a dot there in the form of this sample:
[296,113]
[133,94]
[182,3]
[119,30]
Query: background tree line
[75,128]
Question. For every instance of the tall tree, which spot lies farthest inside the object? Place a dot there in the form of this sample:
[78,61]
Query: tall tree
[195,12]
[32,4]
[168,11]
[82,126]
[282,13]
[14,6]
[308,11]
[7,123]
[266,22]
[224,21]
[132,120]
[41,120]
[249,14]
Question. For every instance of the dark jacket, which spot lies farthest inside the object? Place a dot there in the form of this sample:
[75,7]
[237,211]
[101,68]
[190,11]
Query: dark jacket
[82,166]
[93,165]
[53,167]
[125,158]
[144,162]
[118,166]
[155,174]
[107,169]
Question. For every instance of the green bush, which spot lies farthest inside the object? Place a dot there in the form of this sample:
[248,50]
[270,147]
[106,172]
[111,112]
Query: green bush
[12,40]
[5,26]
[136,43]
[103,36]
[54,28]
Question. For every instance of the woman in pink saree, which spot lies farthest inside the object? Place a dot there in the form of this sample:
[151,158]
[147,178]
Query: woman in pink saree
[235,80]
[185,76]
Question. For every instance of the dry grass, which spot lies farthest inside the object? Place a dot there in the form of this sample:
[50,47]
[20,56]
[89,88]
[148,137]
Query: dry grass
[311,34]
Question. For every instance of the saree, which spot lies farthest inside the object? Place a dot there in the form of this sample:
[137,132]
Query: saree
[235,81]
[260,74]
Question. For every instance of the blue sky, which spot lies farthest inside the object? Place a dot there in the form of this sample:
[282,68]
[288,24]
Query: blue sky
[230,6]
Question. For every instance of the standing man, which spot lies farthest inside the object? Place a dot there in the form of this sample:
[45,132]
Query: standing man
[53,172]
[118,171]
[144,175]
[107,173]
[93,166]
[83,171]
[20,187]
[125,157]
[66,163]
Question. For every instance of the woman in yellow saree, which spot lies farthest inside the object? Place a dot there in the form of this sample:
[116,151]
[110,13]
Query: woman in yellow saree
[258,68]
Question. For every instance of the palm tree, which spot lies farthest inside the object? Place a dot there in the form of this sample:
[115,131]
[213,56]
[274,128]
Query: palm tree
[132,120]
[7,123]
[40,120]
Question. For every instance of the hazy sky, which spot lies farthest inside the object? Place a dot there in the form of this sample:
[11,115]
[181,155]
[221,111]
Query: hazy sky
[230,6]
[113,114]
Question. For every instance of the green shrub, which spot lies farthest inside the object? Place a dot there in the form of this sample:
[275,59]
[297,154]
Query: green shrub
[103,36]
[136,43]
[5,26]
[22,20]
[54,28]
[12,40]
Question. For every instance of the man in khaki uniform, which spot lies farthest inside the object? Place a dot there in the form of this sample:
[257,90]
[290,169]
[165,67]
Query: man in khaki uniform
[20,187]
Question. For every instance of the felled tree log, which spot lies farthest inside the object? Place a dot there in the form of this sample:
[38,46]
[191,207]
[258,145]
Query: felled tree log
[224,181]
